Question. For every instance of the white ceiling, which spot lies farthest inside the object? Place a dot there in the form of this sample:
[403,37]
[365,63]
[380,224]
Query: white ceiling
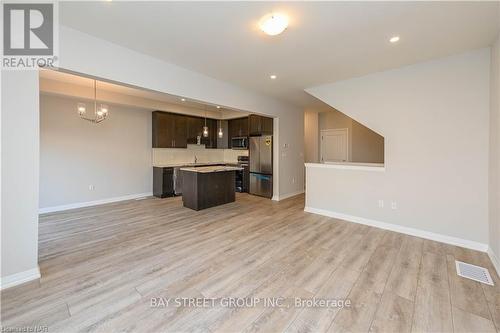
[325,41]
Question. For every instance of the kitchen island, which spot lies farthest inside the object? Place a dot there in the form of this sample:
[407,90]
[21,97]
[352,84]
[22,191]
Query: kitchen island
[208,186]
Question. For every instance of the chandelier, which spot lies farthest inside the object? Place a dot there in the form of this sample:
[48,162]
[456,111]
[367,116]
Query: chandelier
[100,113]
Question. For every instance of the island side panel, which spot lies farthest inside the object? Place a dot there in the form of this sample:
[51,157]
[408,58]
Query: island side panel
[190,189]
[215,188]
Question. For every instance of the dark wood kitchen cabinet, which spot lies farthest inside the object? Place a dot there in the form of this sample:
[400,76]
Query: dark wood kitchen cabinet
[163,182]
[169,130]
[211,140]
[260,125]
[177,131]
[202,190]
[237,128]
[180,131]
[162,130]
[194,129]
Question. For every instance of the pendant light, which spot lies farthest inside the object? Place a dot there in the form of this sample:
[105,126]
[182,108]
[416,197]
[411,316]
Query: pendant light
[221,133]
[100,113]
[205,128]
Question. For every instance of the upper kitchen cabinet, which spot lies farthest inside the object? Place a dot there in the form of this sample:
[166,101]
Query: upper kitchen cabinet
[211,140]
[180,131]
[241,126]
[194,129]
[237,128]
[259,125]
[223,142]
[169,130]
[177,131]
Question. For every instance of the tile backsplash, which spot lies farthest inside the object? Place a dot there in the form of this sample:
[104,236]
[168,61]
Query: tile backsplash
[167,156]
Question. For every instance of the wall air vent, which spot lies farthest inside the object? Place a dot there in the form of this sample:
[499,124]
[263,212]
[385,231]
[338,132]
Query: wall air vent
[473,272]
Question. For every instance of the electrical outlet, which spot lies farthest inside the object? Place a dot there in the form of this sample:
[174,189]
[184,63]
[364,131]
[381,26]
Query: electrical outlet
[394,205]
[91,187]
[381,204]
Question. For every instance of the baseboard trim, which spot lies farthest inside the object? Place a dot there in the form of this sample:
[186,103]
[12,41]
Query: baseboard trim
[19,278]
[404,230]
[494,259]
[93,203]
[286,196]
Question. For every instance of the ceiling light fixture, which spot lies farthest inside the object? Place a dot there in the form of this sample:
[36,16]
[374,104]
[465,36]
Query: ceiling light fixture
[205,128]
[394,39]
[221,133]
[273,77]
[218,107]
[100,113]
[273,24]
[183,99]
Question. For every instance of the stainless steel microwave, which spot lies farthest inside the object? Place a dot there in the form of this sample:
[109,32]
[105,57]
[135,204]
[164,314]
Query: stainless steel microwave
[239,143]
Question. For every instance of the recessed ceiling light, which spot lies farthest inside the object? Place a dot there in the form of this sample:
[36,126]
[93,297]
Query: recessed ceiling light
[183,99]
[272,77]
[273,24]
[394,39]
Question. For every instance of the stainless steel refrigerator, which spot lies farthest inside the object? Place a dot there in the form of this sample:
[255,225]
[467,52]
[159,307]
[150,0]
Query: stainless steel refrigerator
[261,165]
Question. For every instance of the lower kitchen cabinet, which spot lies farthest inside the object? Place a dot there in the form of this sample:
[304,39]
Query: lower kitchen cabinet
[163,182]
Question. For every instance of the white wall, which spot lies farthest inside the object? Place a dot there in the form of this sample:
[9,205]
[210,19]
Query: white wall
[367,146]
[494,183]
[311,131]
[113,156]
[19,170]
[123,65]
[434,117]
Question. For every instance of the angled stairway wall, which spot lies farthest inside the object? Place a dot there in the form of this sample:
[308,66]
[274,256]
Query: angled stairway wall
[434,118]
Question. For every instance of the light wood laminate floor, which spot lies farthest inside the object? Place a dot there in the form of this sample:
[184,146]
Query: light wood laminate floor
[102,266]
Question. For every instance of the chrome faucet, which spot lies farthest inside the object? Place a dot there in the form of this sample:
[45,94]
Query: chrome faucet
[195,159]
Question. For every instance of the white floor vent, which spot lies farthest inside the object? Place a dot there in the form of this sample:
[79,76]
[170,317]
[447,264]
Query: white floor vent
[473,272]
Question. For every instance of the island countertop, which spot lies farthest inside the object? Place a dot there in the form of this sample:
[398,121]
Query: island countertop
[208,169]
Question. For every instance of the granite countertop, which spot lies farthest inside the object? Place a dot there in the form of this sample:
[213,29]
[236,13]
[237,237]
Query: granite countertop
[208,169]
[173,165]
